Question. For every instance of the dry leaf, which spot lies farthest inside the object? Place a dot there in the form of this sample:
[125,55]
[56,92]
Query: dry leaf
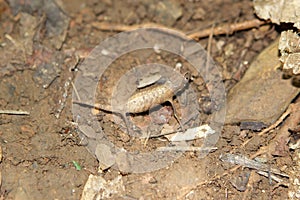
[289,46]
[278,11]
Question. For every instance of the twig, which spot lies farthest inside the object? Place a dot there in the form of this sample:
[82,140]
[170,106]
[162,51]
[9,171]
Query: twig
[14,112]
[186,148]
[283,116]
[224,29]
[273,177]
[103,26]
[75,90]
[228,28]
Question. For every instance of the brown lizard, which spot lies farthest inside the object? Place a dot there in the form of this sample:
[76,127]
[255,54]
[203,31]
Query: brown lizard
[142,101]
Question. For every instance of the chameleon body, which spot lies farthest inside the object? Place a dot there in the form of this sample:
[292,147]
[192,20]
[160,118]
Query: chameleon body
[142,101]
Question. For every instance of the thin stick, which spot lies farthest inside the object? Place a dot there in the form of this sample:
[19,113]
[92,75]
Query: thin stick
[120,27]
[75,90]
[228,28]
[280,120]
[14,112]
[188,148]
[220,30]
[211,34]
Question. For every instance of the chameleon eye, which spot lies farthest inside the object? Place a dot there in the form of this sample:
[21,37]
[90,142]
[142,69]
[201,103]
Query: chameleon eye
[187,76]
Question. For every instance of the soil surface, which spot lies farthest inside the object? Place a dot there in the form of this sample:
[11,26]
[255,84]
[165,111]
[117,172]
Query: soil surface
[36,75]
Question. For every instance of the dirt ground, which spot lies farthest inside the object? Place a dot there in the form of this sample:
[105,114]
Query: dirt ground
[37,68]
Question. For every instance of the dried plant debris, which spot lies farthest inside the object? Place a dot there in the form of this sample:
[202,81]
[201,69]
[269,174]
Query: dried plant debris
[148,80]
[14,112]
[289,46]
[284,11]
[279,11]
[192,133]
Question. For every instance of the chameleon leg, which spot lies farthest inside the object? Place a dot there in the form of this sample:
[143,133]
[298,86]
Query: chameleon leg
[127,123]
[175,114]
